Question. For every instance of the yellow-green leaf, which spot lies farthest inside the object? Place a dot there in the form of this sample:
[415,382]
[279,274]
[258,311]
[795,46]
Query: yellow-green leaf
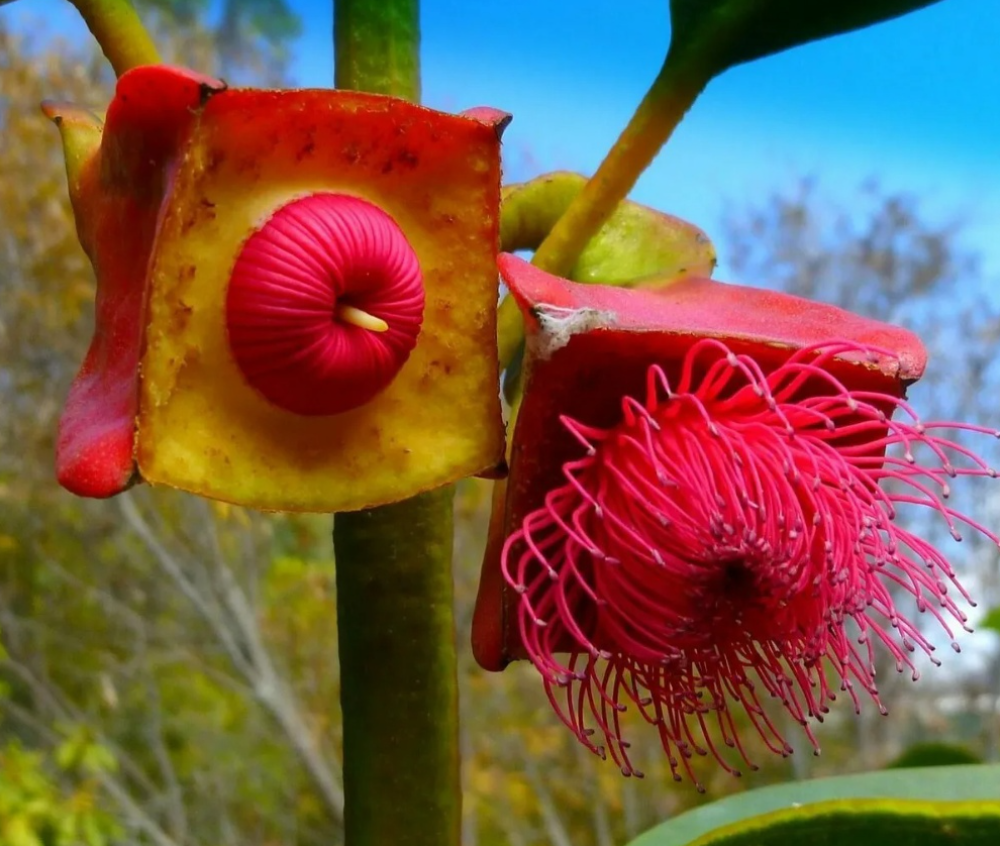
[18,831]
[858,822]
[955,805]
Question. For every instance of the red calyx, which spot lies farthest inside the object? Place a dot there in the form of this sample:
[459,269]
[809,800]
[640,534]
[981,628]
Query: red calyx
[117,207]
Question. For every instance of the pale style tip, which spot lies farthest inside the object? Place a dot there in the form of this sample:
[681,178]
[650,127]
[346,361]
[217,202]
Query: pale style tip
[361,319]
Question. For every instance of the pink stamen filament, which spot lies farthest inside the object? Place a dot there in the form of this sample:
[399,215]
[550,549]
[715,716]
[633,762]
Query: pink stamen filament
[723,535]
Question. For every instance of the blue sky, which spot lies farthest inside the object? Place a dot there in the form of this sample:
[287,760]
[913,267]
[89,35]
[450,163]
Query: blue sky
[915,101]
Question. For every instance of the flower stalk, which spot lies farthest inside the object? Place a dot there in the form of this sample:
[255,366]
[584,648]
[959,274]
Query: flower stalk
[672,93]
[398,668]
[117,28]
[377,47]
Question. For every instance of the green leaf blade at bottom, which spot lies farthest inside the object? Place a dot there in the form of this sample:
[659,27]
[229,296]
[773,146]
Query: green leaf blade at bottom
[958,806]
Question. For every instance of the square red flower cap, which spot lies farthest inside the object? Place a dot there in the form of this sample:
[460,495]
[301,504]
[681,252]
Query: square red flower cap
[296,304]
[590,346]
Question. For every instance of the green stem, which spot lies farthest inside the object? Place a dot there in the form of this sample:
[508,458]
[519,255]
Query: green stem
[377,46]
[398,666]
[661,110]
[398,678]
[118,30]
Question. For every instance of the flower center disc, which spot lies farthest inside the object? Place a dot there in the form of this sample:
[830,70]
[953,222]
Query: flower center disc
[325,303]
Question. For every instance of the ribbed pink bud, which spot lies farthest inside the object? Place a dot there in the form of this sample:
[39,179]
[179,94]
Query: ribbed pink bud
[325,304]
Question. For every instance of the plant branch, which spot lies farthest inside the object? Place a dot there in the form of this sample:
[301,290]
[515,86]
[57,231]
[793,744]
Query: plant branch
[399,687]
[117,28]
[377,47]
[675,89]
[188,589]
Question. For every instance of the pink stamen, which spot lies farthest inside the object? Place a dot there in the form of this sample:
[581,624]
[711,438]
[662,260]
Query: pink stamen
[722,536]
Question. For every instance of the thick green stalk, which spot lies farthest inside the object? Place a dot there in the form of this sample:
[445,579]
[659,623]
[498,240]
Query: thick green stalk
[661,110]
[398,679]
[398,668]
[377,46]
[118,30]
[676,87]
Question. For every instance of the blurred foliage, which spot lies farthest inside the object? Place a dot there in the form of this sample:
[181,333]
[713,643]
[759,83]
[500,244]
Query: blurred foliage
[194,644]
[266,27]
[51,799]
[933,755]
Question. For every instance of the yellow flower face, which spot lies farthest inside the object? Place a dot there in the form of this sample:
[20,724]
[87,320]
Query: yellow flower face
[200,425]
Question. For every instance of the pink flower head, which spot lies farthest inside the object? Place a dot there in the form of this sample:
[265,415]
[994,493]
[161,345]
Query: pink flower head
[696,518]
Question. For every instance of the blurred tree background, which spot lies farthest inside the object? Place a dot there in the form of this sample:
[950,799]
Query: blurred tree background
[168,669]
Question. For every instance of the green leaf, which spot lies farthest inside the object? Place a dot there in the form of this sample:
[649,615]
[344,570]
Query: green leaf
[18,831]
[858,822]
[991,622]
[717,34]
[92,834]
[70,751]
[961,803]
[98,759]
